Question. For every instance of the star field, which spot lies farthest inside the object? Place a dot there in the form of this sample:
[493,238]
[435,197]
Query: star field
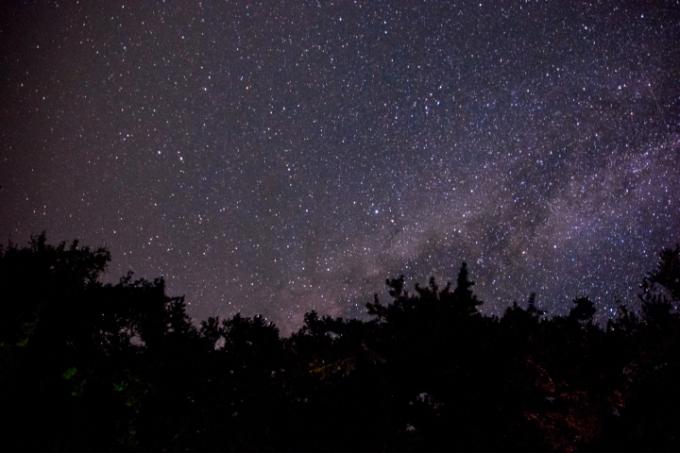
[278,157]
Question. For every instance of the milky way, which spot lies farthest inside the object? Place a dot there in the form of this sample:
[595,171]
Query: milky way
[277,157]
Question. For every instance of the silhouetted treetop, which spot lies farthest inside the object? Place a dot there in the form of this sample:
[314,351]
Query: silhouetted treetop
[583,310]
[463,295]
[88,366]
[664,281]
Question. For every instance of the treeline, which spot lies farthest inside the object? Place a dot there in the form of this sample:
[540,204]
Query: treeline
[93,367]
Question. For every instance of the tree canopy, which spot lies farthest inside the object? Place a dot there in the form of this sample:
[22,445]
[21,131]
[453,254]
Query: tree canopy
[92,366]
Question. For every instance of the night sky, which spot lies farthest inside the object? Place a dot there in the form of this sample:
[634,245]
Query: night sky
[276,157]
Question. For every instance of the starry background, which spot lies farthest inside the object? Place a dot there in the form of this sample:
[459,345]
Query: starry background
[276,157]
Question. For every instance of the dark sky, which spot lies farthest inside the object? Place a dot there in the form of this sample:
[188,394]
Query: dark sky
[274,157]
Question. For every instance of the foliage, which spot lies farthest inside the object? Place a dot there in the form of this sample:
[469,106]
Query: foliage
[88,366]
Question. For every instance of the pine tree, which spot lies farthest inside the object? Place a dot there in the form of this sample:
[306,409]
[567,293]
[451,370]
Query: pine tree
[464,299]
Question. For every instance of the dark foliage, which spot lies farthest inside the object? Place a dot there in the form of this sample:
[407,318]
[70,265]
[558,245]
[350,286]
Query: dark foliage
[93,367]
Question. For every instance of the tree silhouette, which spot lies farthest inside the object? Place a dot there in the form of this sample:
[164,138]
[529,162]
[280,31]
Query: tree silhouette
[583,310]
[463,297]
[89,366]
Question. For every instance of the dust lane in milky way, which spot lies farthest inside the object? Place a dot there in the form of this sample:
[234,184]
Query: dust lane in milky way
[277,157]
